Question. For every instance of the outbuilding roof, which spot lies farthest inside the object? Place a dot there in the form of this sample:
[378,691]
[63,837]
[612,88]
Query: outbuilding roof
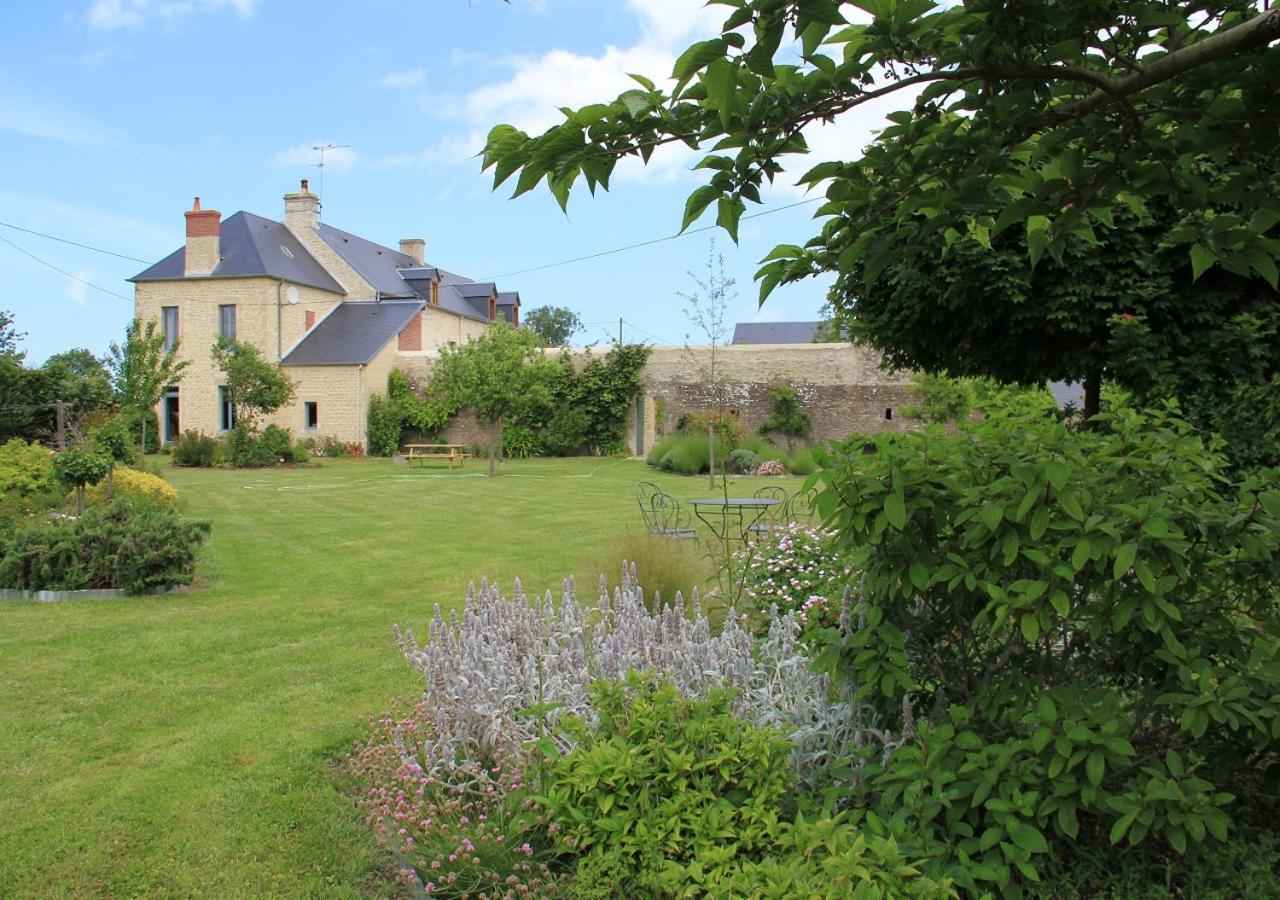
[251,246]
[775,332]
[353,333]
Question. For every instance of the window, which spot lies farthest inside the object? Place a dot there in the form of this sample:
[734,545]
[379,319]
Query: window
[227,321]
[888,413]
[227,416]
[313,414]
[169,324]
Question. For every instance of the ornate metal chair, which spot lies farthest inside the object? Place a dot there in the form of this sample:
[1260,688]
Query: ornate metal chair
[644,496]
[669,519]
[776,516]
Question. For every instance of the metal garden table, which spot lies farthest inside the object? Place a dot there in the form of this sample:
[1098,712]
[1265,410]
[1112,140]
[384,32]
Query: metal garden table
[723,516]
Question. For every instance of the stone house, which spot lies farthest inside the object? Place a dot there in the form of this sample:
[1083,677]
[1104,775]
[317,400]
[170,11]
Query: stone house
[337,311]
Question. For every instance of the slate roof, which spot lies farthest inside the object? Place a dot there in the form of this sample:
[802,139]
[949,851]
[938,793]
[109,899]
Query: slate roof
[252,246]
[353,333]
[507,303]
[775,332]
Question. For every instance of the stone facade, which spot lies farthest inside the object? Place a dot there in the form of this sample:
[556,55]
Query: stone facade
[266,318]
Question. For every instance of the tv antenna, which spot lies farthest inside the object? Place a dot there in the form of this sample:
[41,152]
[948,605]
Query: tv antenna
[321,149]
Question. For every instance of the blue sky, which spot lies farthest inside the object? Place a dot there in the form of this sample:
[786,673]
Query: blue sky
[115,113]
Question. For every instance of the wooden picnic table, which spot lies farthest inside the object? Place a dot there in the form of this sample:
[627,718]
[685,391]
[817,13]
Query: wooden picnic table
[424,452]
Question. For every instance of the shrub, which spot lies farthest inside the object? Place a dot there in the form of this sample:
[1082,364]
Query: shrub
[273,446]
[518,442]
[384,425]
[687,454]
[79,467]
[486,671]
[27,482]
[788,418]
[196,449]
[770,467]
[727,427]
[469,832]
[1090,619]
[798,569]
[139,488]
[566,432]
[112,439]
[803,463]
[662,567]
[134,420]
[659,783]
[116,546]
[740,461]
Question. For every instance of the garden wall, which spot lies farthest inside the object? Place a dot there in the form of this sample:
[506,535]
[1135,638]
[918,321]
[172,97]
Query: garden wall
[841,387]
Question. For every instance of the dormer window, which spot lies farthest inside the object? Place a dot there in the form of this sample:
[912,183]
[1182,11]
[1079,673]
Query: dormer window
[435,293]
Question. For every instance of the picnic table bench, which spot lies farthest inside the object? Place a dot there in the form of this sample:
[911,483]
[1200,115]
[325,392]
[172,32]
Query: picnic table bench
[424,452]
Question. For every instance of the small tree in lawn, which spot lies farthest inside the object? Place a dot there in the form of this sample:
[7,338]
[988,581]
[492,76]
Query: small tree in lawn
[707,308]
[142,369]
[254,386]
[555,326]
[496,375]
[79,467]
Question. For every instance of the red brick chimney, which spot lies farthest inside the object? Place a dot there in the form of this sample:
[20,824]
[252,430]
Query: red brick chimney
[204,229]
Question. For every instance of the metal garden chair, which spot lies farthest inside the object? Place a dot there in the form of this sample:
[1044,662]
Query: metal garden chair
[669,519]
[775,517]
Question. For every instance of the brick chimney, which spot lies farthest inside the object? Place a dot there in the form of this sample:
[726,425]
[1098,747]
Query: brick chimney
[414,248]
[302,210]
[203,253]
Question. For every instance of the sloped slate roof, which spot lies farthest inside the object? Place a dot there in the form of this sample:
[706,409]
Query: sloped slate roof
[1068,393]
[775,332]
[251,245]
[353,333]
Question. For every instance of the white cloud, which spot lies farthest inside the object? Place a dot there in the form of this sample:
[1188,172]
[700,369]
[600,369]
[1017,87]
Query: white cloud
[110,15]
[77,290]
[45,119]
[398,80]
[340,158]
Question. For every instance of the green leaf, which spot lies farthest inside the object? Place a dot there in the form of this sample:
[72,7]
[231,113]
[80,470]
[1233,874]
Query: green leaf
[1071,506]
[1124,559]
[728,211]
[895,511]
[1122,825]
[1039,522]
[1067,819]
[1030,624]
[1028,837]
[1080,556]
[1201,259]
[991,516]
[1045,710]
[721,80]
[1094,767]
[697,57]
[919,575]
[698,201]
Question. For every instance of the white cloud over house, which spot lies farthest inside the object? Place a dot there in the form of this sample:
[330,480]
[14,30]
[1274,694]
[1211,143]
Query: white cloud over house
[110,15]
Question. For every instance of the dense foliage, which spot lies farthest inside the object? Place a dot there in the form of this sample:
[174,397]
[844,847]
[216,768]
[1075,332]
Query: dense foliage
[255,387]
[142,369]
[142,489]
[273,446]
[197,449]
[1085,623]
[938,400]
[137,549]
[788,418]
[27,482]
[555,326]
[79,467]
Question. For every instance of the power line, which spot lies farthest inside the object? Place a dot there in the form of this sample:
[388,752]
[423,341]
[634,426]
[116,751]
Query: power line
[75,243]
[635,327]
[64,271]
[670,237]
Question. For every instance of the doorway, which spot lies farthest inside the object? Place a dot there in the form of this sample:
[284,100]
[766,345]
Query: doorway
[172,428]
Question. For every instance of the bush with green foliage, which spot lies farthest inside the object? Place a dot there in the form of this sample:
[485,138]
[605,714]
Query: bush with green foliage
[661,787]
[803,462]
[741,461]
[137,549]
[384,425]
[939,399]
[274,446]
[199,450]
[518,442]
[1086,622]
[27,482]
[114,439]
[684,453]
[79,467]
[726,425]
[788,417]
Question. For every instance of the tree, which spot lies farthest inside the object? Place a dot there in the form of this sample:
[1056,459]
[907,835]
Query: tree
[254,386]
[707,308]
[496,374]
[142,369]
[81,382]
[1031,123]
[9,335]
[79,467]
[788,418]
[554,325]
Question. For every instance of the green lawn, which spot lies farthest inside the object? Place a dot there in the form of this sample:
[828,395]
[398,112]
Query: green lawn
[183,745]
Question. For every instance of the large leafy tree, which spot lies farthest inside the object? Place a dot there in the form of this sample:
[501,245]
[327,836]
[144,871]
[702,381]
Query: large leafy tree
[80,381]
[497,374]
[555,326]
[24,402]
[142,369]
[1042,125]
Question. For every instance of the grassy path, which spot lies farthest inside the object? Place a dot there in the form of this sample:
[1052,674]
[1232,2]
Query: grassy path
[174,746]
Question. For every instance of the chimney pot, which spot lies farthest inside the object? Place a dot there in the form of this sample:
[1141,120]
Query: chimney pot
[195,207]
[204,239]
[302,210]
[305,189]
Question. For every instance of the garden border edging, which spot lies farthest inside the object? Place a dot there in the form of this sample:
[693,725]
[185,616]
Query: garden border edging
[89,594]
